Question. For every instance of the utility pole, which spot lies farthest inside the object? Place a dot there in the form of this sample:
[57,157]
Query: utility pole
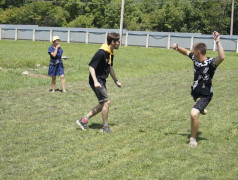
[121,21]
[232,17]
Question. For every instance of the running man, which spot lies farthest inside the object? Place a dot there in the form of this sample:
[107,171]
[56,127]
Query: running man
[100,67]
[204,69]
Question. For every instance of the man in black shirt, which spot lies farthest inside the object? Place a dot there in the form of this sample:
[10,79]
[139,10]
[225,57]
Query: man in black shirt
[204,69]
[100,67]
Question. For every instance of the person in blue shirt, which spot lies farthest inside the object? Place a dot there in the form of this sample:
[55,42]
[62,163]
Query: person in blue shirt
[56,67]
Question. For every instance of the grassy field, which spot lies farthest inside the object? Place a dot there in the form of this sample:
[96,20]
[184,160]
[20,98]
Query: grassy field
[149,117]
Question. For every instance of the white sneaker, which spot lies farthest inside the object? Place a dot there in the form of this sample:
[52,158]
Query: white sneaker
[193,142]
[204,112]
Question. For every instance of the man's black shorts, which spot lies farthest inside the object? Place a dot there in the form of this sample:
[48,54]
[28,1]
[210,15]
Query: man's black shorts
[101,93]
[201,103]
[201,100]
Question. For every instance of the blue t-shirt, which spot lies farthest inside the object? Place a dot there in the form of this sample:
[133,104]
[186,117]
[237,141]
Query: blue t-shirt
[58,55]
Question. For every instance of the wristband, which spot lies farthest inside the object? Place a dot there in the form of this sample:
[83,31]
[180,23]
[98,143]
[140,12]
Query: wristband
[116,81]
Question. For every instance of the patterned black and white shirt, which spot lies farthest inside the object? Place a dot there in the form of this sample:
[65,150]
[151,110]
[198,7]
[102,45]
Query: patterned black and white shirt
[203,74]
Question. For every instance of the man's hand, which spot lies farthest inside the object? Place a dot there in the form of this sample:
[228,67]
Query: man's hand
[216,36]
[175,46]
[118,84]
[97,85]
[221,54]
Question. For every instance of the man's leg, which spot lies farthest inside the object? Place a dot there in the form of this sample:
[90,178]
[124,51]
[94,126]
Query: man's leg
[198,108]
[194,127]
[83,122]
[95,110]
[105,111]
[194,122]
[103,98]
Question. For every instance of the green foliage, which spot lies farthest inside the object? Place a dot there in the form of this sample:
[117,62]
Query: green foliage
[57,17]
[235,24]
[112,15]
[140,15]
[169,18]
[40,13]
[132,16]
[218,20]
[11,3]
[84,21]
[75,8]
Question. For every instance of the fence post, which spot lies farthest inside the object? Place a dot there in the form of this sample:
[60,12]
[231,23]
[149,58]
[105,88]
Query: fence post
[87,35]
[126,40]
[33,34]
[168,46]
[51,33]
[68,38]
[214,45]
[16,34]
[237,45]
[0,33]
[106,37]
[191,44]
[147,40]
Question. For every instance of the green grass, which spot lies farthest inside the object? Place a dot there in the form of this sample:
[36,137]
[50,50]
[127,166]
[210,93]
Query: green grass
[149,117]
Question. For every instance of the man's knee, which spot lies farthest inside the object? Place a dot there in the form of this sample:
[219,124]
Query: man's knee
[194,113]
[106,103]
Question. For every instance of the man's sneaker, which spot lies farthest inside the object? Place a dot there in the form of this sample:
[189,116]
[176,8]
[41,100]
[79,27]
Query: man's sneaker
[204,112]
[106,129]
[193,142]
[82,125]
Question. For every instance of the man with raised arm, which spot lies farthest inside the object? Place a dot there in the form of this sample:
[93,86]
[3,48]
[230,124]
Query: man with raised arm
[204,70]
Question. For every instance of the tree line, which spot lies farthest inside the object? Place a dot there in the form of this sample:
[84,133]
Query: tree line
[201,16]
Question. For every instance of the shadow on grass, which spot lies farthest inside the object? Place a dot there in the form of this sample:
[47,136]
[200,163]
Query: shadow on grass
[98,125]
[198,137]
[95,126]
[56,90]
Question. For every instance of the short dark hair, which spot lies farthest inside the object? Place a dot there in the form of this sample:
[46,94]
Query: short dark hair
[112,37]
[200,47]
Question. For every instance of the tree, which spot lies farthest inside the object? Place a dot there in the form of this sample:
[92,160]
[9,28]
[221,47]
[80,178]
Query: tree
[112,15]
[139,15]
[235,23]
[213,16]
[40,13]
[4,4]
[75,8]
[169,18]
[132,16]
[83,21]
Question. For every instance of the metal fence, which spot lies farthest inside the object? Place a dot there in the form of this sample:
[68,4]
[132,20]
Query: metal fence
[130,38]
